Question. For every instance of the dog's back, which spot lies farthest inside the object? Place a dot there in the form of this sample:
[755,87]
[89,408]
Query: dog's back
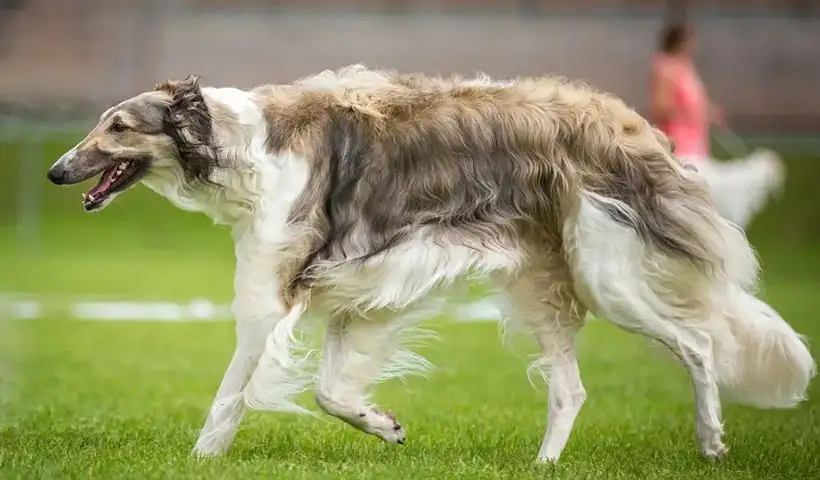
[495,163]
[563,195]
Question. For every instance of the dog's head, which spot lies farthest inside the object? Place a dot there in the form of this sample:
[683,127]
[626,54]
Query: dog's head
[167,131]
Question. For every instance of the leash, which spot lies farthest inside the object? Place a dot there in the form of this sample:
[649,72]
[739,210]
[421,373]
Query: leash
[732,143]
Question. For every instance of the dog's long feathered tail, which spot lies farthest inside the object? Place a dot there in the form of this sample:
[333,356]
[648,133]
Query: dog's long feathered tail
[649,252]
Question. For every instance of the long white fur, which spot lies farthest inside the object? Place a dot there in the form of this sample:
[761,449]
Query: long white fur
[727,340]
[740,187]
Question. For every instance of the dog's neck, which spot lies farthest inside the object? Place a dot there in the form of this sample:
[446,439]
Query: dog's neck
[240,134]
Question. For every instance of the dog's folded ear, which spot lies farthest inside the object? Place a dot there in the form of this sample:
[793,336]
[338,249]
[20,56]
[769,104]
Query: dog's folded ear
[190,83]
[189,123]
[188,112]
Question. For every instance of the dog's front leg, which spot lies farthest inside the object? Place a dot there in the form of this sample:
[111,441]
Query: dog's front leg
[257,308]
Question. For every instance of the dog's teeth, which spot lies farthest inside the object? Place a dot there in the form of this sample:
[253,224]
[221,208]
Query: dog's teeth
[90,198]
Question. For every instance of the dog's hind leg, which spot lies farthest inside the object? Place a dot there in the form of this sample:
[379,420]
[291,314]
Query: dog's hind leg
[359,352]
[647,292]
[545,305]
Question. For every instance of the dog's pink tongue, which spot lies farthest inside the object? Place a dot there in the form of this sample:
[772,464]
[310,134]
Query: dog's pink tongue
[104,184]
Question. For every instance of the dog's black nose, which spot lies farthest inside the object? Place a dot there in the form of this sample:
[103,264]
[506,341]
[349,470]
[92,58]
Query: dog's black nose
[56,175]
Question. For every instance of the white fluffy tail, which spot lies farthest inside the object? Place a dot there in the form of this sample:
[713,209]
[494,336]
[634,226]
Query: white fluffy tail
[753,355]
[740,188]
[760,361]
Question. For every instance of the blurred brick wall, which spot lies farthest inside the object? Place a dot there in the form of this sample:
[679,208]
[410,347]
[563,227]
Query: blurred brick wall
[764,70]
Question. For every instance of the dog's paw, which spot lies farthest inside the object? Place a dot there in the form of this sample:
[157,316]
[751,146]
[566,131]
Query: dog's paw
[716,451]
[384,425]
[200,452]
[711,443]
[549,460]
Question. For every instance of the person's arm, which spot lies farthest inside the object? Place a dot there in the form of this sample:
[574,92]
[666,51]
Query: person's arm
[716,115]
[663,98]
[715,111]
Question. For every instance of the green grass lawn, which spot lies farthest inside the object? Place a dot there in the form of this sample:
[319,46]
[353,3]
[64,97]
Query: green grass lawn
[126,400]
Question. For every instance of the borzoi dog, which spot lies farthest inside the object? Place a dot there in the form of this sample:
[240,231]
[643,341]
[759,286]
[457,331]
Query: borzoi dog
[360,193]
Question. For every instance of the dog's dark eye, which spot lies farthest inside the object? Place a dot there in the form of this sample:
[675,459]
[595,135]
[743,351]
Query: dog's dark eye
[118,127]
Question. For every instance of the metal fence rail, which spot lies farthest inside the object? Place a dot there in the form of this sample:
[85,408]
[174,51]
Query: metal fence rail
[67,59]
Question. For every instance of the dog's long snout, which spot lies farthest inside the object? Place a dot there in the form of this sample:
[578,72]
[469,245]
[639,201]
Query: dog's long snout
[77,165]
[57,174]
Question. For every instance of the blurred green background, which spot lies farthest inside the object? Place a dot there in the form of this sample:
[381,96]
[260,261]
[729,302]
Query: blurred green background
[139,248]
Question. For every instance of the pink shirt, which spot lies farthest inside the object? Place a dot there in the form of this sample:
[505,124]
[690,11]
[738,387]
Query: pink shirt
[689,128]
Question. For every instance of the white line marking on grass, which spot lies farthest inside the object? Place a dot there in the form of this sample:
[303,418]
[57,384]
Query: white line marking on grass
[200,309]
[196,310]
[25,310]
[480,310]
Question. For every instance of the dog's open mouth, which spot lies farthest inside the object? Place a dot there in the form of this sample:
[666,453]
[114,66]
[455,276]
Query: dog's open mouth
[113,180]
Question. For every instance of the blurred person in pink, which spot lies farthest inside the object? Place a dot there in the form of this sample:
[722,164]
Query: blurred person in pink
[681,108]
